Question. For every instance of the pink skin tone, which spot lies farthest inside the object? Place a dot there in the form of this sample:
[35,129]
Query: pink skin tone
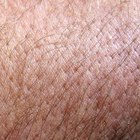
[70,70]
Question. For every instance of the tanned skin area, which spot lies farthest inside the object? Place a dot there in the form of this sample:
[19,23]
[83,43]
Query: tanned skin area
[69,70]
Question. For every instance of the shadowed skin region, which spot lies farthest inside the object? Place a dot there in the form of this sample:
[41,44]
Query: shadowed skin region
[70,70]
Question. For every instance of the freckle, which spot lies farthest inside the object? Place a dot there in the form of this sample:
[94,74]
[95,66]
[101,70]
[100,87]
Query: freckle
[37,60]
[11,78]
[27,36]
[32,26]
[76,69]
[138,67]
[38,46]
[65,86]
[78,83]
[7,43]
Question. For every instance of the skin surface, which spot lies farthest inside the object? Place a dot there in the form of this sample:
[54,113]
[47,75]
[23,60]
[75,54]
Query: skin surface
[69,70]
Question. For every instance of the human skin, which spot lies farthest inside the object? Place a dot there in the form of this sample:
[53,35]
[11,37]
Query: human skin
[69,70]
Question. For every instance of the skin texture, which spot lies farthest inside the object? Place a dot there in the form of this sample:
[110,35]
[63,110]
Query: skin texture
[69,70]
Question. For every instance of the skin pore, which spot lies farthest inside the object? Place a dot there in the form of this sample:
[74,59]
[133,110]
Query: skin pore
[69,70]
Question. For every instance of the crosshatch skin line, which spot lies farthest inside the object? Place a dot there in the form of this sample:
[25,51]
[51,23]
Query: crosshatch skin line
[70,69]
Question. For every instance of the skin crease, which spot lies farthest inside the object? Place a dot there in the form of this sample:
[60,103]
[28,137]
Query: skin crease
[69,70]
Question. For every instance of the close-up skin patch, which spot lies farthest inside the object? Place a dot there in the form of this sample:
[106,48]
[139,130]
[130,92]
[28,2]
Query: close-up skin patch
[69,70]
